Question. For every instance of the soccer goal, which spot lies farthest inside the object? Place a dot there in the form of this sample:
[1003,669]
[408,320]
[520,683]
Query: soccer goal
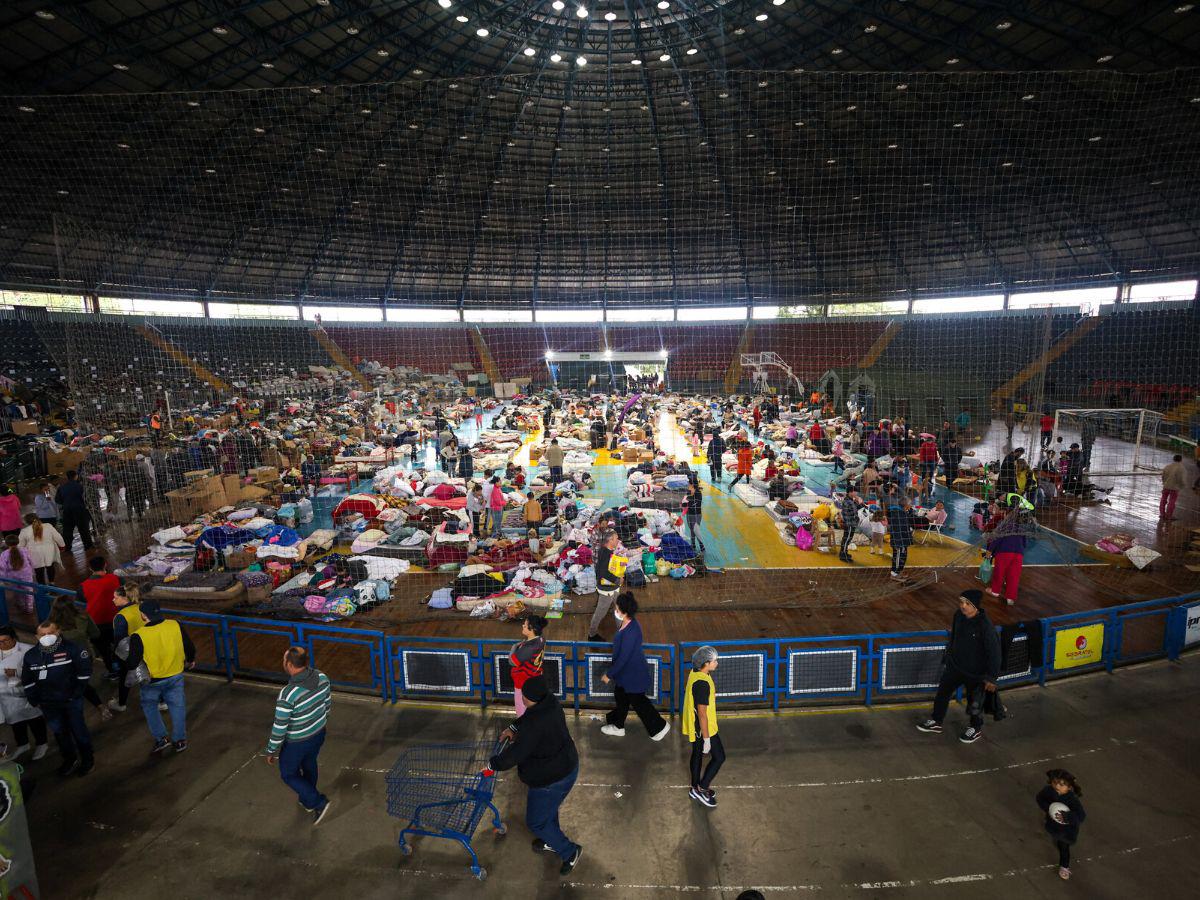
[1114,441]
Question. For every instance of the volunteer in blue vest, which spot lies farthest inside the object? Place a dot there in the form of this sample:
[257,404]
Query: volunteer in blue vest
[298,731]
[700,725]
[166,649]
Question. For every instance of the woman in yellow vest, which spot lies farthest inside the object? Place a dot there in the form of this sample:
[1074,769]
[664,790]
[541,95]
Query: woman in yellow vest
[700,724]
[127,621]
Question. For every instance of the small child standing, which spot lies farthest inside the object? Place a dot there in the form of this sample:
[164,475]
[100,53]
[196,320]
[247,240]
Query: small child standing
[1062,790]
[878,530]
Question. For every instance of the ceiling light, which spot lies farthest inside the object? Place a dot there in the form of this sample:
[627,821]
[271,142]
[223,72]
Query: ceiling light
[193,103]
[314,90]
[663,4]
[413,125]
[1107,57]
[365,111]
[837,51]
[1028,97]
[320,149]
[381,165]
[481,32]
[1003,26]
[830,162]
[852,107]
[893,146]
[692,51]
[1187,7]
[461,18]
[635,62]
[123,146]
[211,171]
[529,51]
[381,52]
[268,65]
[685,102]
[870,29]
[761,17]
[554,57]
[798,124]
[1156,182]
[778,2]
[952,61]
[444,4]
[666,57]
[750,134]
[220,29]
[558,5]
[902,87]
[47,15]
[958,124]
[581,60]
[26,109]
[63,192]
[610,17]
[1094,138]
[927,184]
[121,67]
[352,29]
[581,12]
[258,129]
[739,31]
[771,172]
[1005,165]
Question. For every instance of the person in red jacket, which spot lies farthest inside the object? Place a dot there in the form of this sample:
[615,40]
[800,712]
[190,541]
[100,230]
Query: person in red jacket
[98,590]
[816,434]
[757,418]
[1047,429]
[927,456]
[527,657]
[745,460]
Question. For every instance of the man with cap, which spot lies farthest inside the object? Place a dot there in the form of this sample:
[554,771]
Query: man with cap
[544,754]
[972,662]
[166,649]
[699,723]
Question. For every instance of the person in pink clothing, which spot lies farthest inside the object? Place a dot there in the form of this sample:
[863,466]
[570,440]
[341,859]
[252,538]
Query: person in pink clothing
[496,506]
[10,511]
[16,565]
[1174,480]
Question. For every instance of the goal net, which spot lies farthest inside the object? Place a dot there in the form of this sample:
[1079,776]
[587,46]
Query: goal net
[1112,442]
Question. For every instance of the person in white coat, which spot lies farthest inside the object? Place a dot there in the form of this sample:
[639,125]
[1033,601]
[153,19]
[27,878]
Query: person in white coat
[44,544]
[15,710]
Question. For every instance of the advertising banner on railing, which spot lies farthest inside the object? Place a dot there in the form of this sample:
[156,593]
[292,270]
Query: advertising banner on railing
[1191,633]
[1079,646]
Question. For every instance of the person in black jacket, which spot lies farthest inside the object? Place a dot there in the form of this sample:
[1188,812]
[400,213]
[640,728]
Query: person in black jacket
[951,458]
[74,510]
[901,521]
[1063,827]
[544,754]
[53,675]
[608,583]
[716,447]
[972,662]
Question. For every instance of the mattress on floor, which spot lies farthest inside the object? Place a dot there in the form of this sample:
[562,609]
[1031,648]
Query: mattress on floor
[668,500]
[415,555]
[216,594]
[749,495]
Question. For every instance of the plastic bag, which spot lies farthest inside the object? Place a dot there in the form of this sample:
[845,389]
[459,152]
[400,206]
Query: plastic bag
[985,571]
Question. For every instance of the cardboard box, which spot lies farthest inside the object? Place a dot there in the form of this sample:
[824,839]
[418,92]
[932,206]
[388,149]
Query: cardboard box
[26,426]
[264,474]
[239,559]
[185,505]
[252,494]
[196,475]
[231,485]
[61,462]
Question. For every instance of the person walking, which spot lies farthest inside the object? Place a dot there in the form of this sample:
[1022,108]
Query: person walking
[610,573]
[72,504]
[1005,545]
[693,508]
[44,544]
[901,520]
[496,506]
[476,508]
[1174,480]
[466,462]
[448,454]
[15,565]
[629,674]
[716,448]
[745,463]
[44,506]
[554,460]
[1062,790]
[10,511]
[699,724]
[849,508]
[126,623]
[972,662]
[165,648]
[541,749]
[298,732]
[15,709]
[97,592]
[53,675]
[527,657]
[1047,430]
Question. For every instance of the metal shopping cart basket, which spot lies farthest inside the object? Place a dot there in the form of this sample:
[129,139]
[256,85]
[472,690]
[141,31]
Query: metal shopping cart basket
[442,792]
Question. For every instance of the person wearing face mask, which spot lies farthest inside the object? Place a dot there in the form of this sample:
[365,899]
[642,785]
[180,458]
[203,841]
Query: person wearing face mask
[14,708]
[629,675]
[54,674]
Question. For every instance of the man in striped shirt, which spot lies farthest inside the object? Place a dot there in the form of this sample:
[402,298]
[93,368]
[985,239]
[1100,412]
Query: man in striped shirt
[299,730]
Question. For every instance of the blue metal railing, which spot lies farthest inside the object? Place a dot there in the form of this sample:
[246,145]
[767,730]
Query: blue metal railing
[855,667]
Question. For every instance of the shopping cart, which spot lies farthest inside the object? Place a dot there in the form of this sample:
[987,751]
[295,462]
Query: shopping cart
[442,791]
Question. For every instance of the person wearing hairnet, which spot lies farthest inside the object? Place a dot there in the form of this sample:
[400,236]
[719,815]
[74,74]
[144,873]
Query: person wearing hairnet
[700,725]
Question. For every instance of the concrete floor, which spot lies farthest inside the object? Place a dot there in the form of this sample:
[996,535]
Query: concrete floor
[847,803]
